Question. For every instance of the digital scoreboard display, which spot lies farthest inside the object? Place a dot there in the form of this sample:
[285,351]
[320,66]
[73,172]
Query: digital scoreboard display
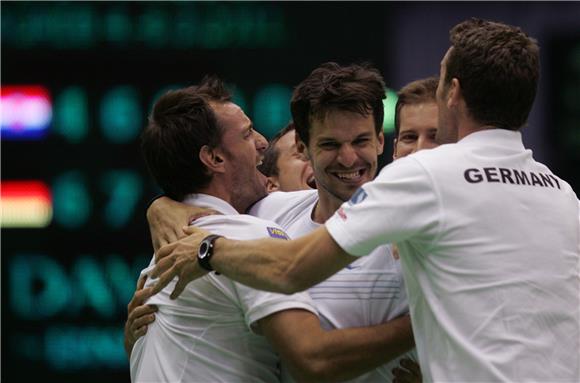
[78,80]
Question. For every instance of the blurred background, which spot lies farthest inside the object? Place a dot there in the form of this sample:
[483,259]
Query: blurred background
[78,80]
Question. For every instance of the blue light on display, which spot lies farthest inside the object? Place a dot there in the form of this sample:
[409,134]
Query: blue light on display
[73,347]
[28,271]
[42,289]
[121,115]
[272,109]
[72,204]
[124,188]
[71,116]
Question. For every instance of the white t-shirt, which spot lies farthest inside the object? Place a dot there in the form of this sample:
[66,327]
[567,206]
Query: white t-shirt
[489,241]
[368,292]
[206,334]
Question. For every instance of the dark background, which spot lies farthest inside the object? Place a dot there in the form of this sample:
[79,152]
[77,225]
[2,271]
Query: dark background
[65,286]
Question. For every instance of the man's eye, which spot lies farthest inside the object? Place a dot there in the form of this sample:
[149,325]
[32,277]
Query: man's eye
[328,145]
[408,138]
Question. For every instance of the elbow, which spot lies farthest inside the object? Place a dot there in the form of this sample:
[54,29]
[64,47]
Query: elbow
[313,371]
[292,283]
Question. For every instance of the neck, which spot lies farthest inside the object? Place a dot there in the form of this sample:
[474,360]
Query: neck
[222,191]
[468,126]
[325,207]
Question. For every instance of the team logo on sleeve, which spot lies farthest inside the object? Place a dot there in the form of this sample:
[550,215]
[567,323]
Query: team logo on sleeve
[274,232]
[358,197]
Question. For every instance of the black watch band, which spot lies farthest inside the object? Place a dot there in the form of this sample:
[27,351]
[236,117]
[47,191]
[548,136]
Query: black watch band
[205,251]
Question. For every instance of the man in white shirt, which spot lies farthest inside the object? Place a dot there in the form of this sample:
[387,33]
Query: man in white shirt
[489,238]
[285,168]
[201,148]
[371,290]
[416,117]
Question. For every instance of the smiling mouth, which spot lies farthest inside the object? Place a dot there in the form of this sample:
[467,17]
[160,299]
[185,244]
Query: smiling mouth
[352,176]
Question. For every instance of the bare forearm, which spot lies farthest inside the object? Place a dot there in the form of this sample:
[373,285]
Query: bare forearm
[280,266]
[315,355]
[353,352]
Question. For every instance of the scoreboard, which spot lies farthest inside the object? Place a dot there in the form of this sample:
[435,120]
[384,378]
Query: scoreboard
[78,80]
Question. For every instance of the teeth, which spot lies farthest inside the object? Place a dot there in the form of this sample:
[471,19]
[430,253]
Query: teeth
[348,176]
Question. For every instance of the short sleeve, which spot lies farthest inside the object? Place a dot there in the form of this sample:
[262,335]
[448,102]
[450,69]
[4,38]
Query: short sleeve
[400,204]
[259,304]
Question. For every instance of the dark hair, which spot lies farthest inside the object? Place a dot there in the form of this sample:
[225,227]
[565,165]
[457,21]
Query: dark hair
[497,66]
[354,88]
[415,93]
[181,123]
[269,166]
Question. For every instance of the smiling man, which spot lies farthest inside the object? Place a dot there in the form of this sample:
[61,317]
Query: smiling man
[492,268]
[203,150]
[416,117]
[286,169]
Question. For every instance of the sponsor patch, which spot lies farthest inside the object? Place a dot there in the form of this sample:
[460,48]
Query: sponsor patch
[358,197]
[274,232]
[341,214]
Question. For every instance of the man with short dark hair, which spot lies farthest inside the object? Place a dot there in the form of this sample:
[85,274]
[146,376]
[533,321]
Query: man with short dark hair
[489,238]
[416,117]
[285,168]
[214,331]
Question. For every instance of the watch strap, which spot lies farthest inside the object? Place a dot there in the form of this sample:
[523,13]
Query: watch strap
[205,251]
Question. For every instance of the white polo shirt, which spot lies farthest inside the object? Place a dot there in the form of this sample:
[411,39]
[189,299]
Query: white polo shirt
[489,240]
[206,334]
[368,292]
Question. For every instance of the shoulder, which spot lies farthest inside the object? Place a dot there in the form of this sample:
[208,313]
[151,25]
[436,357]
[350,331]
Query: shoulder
[279,206]
[241,227]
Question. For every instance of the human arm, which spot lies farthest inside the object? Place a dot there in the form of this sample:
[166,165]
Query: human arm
[408,371]
[315,355]
[139,316]
[166,217]
[264,264]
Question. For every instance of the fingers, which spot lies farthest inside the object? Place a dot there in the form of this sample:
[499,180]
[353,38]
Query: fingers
[411,365]
[403,376]
[188,230]
[141,282]
[140,311]
[179,287]
[164,251]
[163,280]
[140,322]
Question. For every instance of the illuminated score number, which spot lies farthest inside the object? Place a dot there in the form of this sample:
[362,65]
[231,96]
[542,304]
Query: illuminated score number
[73,204]
[121,115]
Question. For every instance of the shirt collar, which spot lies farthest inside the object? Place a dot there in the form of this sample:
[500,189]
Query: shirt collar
[211,202]
[495,137]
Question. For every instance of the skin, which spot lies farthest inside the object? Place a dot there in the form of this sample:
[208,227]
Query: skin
[343,149]
[234,162]
[311,353]
[290,266]
[418,129]
[294,170]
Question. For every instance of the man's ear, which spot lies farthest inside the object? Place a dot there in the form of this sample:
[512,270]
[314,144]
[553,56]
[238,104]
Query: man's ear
[213,159]
[454,94]
[272,184]
[302,149]
[394,148]
[381,145]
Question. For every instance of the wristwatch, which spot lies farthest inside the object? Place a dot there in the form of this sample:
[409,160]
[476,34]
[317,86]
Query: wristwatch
[205,252]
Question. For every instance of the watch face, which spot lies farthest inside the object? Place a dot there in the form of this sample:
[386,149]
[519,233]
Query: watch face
[203,248]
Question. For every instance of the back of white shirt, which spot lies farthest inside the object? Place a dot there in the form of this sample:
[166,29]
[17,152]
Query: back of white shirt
[206,334]
[490,246]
